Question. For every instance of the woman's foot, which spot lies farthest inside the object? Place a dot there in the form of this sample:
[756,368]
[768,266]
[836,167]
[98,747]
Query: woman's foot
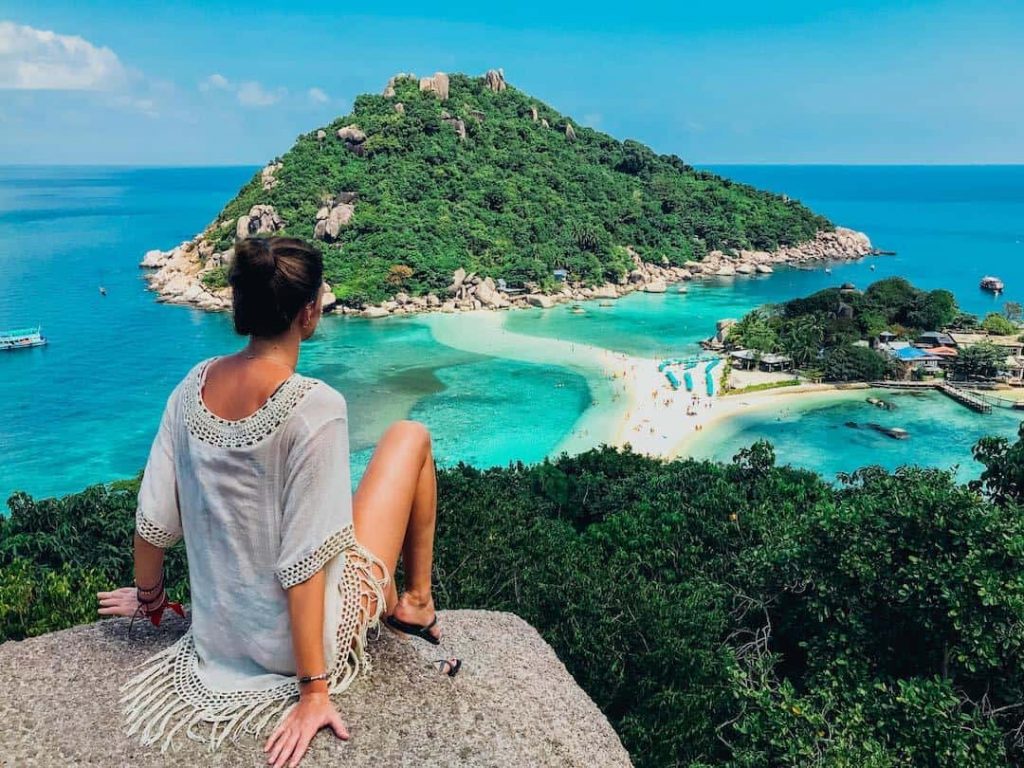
[449,667]
[417,612]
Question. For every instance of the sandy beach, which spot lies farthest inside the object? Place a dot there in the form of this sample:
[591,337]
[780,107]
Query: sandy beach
[632,402]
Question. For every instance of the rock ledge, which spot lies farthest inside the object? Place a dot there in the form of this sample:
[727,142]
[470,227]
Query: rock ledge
[514,703]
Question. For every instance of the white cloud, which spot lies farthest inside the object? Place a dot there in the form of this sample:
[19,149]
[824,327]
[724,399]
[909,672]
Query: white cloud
[36,59]
[253,94]
[215,82]
[317,96]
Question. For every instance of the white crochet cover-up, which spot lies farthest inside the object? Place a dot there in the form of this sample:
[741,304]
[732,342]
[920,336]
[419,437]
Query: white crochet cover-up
[263,504]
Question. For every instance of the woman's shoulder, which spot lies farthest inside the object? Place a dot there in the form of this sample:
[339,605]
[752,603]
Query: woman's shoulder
[321,399]
[320,405]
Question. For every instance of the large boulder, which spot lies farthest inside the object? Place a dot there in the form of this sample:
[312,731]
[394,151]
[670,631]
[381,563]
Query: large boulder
[570,132]
[267,176]
[606,291]
[656,286]
[330,220]
[459,125]
[489,296]
[375,312]
[513,703]
[438,84]
[458,278]
[154,259]
[351,134]
[540,300]
[495,79]
[261,219]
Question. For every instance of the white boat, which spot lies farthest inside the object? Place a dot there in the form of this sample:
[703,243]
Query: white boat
[992,284]
[21,338]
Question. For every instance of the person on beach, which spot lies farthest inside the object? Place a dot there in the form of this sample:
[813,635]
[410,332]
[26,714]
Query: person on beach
[288,571]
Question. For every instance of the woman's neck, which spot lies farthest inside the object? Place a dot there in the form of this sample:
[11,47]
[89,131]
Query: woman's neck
[283,349]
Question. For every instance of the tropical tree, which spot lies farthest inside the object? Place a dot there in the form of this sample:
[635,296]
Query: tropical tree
[998,325]
[982,360]
[802,339]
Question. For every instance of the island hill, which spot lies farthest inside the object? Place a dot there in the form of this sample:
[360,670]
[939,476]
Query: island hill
[453,193]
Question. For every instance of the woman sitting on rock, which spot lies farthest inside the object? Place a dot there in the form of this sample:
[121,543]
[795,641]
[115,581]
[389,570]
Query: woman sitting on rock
[287,570]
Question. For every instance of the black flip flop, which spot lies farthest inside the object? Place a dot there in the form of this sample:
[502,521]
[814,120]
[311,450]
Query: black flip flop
[453,668]
[416,630]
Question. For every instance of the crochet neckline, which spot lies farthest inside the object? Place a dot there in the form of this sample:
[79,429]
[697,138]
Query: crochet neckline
[250,430]
[201,384]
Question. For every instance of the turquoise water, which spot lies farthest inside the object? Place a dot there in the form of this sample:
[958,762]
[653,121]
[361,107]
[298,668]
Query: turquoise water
[815,435]
[84,408]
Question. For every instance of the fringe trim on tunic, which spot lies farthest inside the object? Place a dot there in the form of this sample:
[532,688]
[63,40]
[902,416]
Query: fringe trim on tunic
[168,697]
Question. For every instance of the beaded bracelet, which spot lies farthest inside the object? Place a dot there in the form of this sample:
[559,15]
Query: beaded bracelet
[312,678]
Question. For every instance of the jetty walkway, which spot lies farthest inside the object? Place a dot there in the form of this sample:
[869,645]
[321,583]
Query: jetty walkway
[967,399]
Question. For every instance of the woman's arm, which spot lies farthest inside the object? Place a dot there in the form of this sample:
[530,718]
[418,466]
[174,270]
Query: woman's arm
[149,569]
[288,743]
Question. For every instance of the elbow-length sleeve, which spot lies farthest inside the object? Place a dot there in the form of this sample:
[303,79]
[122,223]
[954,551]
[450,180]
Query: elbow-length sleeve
[157,516]
[316,522]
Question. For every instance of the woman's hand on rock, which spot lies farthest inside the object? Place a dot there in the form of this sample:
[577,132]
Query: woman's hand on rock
[120,602]
[290,740]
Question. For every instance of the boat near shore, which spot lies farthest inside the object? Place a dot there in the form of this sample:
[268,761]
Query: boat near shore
[992,284]
[21,338]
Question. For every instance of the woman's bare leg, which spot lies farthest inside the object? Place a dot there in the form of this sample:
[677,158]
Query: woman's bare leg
[395,512]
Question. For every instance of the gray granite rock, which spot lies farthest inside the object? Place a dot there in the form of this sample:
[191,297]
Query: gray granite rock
[513,704]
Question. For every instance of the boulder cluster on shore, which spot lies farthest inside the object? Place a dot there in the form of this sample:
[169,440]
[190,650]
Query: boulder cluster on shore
[177,275]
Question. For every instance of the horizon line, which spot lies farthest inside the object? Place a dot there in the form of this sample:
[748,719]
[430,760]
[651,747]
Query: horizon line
[694,164]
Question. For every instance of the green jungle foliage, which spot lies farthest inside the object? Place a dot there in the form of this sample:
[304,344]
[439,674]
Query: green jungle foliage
[737,614]
[999,325]
[514,200]
[830,321]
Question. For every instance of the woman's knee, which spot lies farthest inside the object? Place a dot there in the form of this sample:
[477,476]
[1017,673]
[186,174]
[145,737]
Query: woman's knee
[411,432]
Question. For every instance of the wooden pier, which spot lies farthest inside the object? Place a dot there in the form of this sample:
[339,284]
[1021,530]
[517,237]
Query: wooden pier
[962,396]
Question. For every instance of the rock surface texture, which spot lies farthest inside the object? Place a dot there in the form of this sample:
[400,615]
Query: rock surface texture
[513,703]
[495,80]
[438,84]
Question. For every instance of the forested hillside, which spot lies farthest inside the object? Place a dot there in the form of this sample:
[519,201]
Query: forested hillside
[469,172]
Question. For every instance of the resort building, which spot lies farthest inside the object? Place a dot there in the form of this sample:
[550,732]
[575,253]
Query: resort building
[1011,344]
[935,339]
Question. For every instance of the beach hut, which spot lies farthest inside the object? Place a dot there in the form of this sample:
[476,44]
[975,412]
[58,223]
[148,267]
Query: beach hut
[560,275]
[744,358]
[771,362]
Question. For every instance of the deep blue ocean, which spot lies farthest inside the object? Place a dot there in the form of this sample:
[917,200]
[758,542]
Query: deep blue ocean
[84,408]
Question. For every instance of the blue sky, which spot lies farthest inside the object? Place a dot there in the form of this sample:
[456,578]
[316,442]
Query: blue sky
[144,82]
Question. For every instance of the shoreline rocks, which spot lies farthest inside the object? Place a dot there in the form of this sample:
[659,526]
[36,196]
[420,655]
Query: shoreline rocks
[177,275]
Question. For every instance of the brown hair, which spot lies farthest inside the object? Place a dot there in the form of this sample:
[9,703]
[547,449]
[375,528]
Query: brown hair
[272,279]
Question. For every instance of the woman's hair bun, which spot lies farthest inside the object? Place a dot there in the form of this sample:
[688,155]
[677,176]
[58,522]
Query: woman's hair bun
[272,279]
[254,260]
